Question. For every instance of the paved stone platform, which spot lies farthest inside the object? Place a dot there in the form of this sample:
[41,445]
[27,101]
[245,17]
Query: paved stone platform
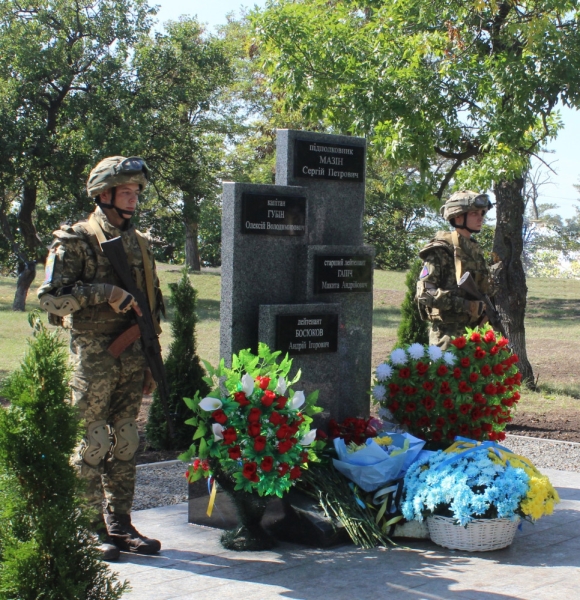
[543,563]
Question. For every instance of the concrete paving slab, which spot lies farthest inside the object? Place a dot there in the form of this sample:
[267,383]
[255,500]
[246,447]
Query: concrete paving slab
[543,563]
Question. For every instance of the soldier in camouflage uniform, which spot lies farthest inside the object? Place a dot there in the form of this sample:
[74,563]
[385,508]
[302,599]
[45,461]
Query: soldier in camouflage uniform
[446,258]
[83,293]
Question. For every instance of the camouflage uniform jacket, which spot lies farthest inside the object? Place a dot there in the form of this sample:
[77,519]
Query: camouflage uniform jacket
[440,299]
[76,265]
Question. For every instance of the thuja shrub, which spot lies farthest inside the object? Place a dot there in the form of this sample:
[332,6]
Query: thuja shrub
[46,550]
[412,328]
[183,370]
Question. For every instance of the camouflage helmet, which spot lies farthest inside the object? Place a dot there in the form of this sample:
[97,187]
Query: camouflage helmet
[462,202]
[117,170]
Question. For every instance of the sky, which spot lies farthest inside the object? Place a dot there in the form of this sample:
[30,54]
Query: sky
[564,155]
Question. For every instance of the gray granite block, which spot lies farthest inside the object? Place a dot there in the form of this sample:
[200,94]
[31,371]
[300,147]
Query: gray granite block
[335,207]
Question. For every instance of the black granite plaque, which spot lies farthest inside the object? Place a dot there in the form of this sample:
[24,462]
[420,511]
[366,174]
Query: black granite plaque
[312,334]
[343,273]
[273,215]
[314,160]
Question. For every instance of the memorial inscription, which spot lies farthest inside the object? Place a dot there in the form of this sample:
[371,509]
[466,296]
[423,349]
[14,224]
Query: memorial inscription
[273,215]
[343,273]
[311,334]
[329,161]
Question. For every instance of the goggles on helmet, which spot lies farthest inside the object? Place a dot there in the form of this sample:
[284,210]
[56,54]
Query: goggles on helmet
[130,166]
[482,201]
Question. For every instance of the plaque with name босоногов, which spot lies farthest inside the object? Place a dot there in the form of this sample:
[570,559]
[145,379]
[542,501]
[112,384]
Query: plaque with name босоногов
[311,334]
[329,161]
[273,215]
[344,273]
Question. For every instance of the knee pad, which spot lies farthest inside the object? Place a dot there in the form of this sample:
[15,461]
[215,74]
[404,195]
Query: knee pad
[126,439]
[97,443]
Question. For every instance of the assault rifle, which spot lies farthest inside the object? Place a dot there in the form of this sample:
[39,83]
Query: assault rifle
[115,252]
[468,285]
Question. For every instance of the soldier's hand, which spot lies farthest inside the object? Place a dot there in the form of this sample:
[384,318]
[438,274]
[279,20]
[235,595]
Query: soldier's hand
[475,309]
[149,384]
[120,300]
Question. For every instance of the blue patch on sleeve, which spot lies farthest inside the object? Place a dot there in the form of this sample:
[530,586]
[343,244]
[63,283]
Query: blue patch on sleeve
[49,267]
[424,272]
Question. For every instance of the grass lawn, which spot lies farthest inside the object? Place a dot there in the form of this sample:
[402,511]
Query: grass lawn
[552,328]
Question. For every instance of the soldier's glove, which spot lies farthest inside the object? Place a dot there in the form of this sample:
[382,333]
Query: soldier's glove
[149,384]
[120,300]
[475,309]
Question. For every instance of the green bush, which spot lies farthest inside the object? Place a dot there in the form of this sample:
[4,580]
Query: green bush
[412,329]
[45,547]
[183,369]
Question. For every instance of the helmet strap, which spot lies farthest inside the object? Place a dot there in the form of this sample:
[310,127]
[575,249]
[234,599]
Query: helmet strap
[464,226]
[124,214]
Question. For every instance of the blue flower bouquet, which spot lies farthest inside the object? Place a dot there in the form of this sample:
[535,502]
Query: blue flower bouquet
[379,460]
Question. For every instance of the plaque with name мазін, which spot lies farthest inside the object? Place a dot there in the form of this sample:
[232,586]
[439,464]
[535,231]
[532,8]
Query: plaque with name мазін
[273,215]
[313,334]
[344,273]
[329,161]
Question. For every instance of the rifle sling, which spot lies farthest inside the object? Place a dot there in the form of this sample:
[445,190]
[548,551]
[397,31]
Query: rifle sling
[458,263]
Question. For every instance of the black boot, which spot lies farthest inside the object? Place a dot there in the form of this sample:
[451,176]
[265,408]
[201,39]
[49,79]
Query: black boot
[127,538]
[105,545]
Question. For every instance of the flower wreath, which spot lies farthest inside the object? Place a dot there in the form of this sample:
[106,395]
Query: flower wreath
[253,426]
[469,390]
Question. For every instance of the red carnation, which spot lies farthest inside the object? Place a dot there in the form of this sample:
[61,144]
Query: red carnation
[230,435]
[220,416]
[486,370]
[445,389]
[479,353]
[502,342]
[516,396]
[249,470]
[393,406]
[487,411]
[487,427]
[492,436]
[473,377]
[464,429]
[479,398]
[498,369]
[507,401]
[275,418]
[494,350]
[283,432]
[393,388]
[464,409]
[304,457]
[476,432]
[263,382]
[283,469]
[409,390]
[501,389]
[464,388]
[457,372]
[442,370]
[254,415]
[422,368]
[439,422]
[490,389]
[475,337]
[259,443]
[405,373]
[452,418]
[501,436]
[281,402]
[489,336]
[234,452]
[450,435]
[436,436]
[241,399]
[459,342]
[428,403]
[268,398]
[254,429]
[428,385]
[448,404]
[284,446]
[267,464]
[423,422]
[295,472]
[411,407]
[465,362]
[476,414]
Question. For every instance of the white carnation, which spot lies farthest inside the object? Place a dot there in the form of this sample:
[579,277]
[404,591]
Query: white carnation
[416,351]
[435,353]
[379,392]
[384,372]
[449,358]
[398,357]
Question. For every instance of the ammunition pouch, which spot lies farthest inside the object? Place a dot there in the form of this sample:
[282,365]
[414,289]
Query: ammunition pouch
[126,439]
[61,306]
[97,443]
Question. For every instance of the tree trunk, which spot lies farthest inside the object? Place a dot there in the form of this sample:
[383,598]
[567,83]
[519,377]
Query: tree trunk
[509,274]
[26,276]
[191,247]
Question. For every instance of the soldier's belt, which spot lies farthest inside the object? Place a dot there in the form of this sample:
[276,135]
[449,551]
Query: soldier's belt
[96,327]
[124,341]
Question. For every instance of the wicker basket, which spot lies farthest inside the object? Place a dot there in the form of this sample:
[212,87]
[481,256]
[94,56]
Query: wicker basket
[481,535]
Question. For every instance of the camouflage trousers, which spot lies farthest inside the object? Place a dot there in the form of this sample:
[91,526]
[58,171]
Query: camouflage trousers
[108,389]
[440,334]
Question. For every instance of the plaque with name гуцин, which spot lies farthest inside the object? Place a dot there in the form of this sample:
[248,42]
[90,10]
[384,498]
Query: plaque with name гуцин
[344,273]
[273,215]
[312,334]
[314,160]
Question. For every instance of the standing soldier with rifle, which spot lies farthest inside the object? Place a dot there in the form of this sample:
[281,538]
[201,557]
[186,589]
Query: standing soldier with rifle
[112,308]
[448,258]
